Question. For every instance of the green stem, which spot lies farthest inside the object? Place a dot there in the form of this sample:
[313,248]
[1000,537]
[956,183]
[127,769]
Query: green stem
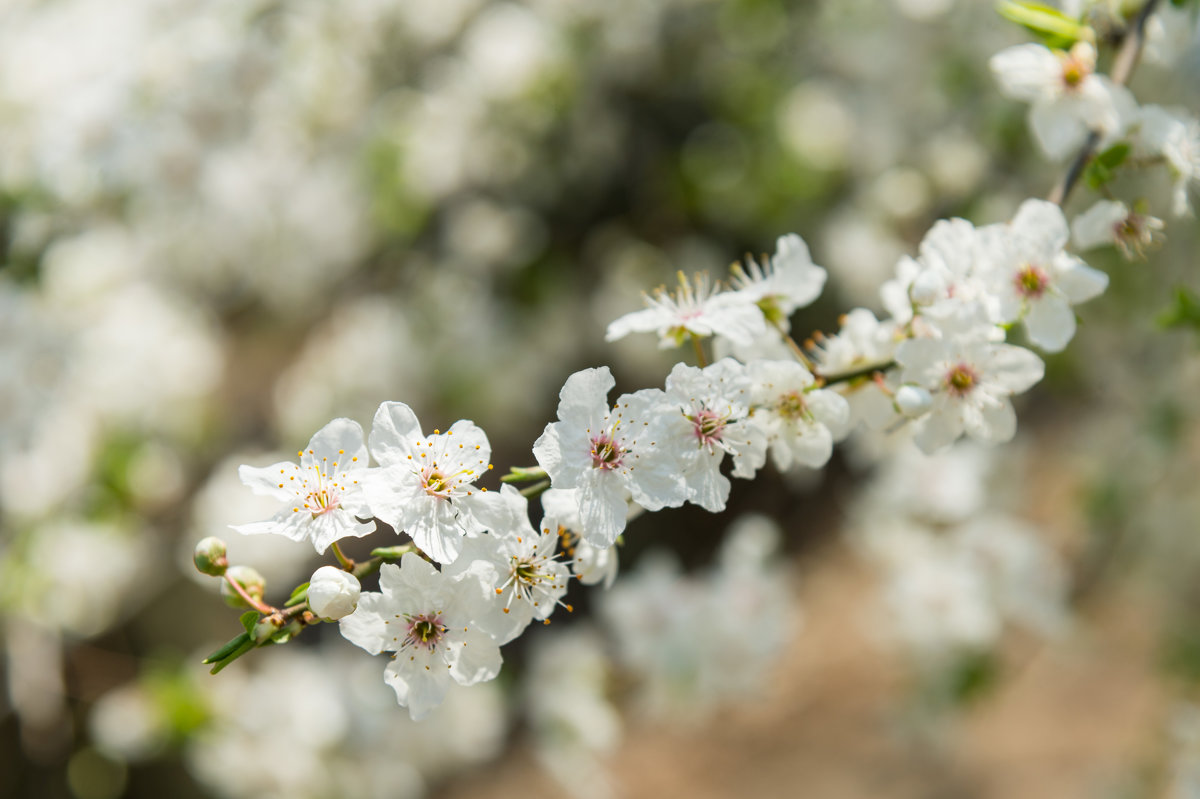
[345,562]
[535,489]
[701,360]
[524,474]
[367,568]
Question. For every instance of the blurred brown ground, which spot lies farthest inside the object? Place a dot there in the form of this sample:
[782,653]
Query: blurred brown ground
[1075,718]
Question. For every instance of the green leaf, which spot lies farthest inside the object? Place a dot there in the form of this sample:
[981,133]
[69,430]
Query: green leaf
[1052,26]
[229,647]
[299,594]
[248,620]
[973,676]
[1097,175]
[391,553]
[1103,166]
[242,649]
[1114,156]
[1184,312]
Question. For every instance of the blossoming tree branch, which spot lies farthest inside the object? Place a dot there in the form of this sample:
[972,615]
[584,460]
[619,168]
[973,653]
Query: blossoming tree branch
[966,319]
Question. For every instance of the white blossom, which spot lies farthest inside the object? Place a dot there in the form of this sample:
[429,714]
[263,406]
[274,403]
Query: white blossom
[704,418]
[591,564]
[971,380]
[1173,135]
[1036,281]
[801,422]
[323,495]
[529,580]
[433,623]
[789,280]
[426,486]
[695,309]
[1068,98]
[610,455]
[1110,222]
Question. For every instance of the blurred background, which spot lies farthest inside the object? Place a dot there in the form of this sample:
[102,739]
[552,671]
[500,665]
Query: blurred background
[226,222]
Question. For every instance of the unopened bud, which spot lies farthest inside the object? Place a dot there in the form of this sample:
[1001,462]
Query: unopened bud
[333,593]
[927,288]
[209,556]
[913,401]
[249,579]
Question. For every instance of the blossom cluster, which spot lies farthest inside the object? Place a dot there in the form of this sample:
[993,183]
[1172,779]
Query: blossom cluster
[499,573]
[957,344]
[938,368]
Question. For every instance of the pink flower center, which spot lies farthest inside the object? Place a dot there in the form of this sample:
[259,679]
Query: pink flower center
[435,483]
[961,379]
[321,500]
[1076,67]
[424,631]
[1031,282]
[708,426]
[606,452]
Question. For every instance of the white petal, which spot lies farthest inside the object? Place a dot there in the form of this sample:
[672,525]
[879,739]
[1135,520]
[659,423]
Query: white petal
[336,442]
[1027,72]
[1057,128]
[394,433]
[365,627]
[418,689]
[941,427]
[998,423]
[271,481]
[474,657]
[1097,226]
[1014,369]
[830,409]
[707,487]
[1078,281]
[813,447]
[646,320]
[583,399]
[1041,224]
[602,508]
[1050,323]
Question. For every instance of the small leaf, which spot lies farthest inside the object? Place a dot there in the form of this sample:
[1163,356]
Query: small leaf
[249,619]
[224,651]
[1053,27]
[1184,312]
[1114,156]
[299,594]
[242,649]
[1097,175]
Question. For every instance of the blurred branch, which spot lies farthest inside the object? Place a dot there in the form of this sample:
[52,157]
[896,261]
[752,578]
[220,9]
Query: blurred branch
[1122,70]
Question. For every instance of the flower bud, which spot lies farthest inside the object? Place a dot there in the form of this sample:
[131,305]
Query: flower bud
[926,288]
[333,593]
[249,579]
[913,401]
[209,556]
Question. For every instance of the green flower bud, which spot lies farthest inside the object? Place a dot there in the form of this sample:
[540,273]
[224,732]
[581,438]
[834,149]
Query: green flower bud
[209,556]
[249,579]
